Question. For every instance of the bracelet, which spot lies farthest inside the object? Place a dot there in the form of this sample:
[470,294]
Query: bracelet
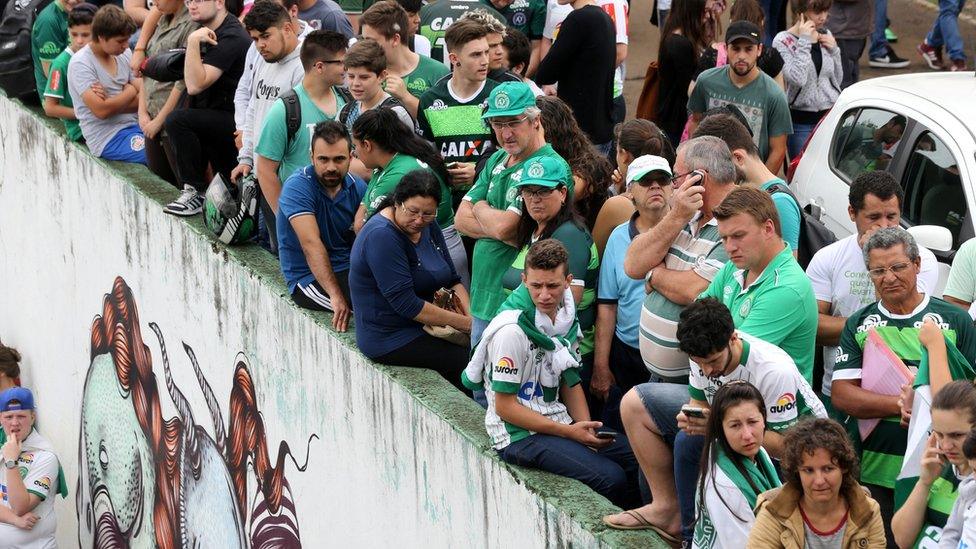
[139,49]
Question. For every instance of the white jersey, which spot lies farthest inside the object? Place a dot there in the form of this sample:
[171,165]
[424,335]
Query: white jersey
[727,517]
[839,277]
[39,470]
[515,366]
[787,394]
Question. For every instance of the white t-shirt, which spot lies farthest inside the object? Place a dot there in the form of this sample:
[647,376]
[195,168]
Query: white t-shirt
[787,394]
[723,512]
[39,469]
[838,276]
[618,10]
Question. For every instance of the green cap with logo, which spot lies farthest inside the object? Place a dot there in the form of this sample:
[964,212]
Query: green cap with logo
[509,99]
[545,171]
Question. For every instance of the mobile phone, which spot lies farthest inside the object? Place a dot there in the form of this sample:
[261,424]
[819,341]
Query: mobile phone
[606,433]
[692,411]
[822,31]
[452,165]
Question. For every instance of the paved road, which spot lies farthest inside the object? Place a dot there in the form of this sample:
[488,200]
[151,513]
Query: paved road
[911,20]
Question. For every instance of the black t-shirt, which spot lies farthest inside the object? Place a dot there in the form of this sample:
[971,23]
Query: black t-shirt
[676,67]
[770,61]
[502,75]
[228,56]
[582,60]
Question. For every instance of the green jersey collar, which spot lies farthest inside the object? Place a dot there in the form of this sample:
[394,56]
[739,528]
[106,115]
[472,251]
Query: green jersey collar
[745,352]
[771,270]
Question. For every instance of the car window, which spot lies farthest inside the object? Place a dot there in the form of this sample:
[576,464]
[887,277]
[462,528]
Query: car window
[871,142]
[933,189]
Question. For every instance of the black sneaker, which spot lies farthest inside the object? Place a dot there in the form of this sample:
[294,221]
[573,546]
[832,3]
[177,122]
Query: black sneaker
[190,202]
[888,61]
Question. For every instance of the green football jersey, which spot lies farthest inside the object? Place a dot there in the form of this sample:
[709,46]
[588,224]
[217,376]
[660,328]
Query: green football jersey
[454,124]
[436,16]
[384,181]
[528,16]
[422,78]
[57,87]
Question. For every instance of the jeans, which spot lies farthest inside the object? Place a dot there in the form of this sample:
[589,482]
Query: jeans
[945,30]
[610,471]
[663,401]
[199,136]
[477,329]
[879,44]
[851,50]
[432,353]
[799,137]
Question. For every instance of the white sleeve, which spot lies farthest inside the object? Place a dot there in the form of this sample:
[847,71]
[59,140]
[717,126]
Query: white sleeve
[506,355]
[818,271]
[242,95]
[729,512]
[42,475]
[620,15]
[779,389]
[549,30]
[928,276]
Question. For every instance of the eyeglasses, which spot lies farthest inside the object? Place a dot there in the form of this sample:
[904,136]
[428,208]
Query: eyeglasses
[676,178]
[540,193]
[498,125]
[896,269]
[324,61]
[647,182]
[414,213]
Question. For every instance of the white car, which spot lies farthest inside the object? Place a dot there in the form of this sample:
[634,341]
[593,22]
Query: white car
[918,127]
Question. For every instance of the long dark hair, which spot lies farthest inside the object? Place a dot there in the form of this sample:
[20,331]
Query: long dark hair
[383,128]
[687,16]
[729,395]
[527,225]
[416,183]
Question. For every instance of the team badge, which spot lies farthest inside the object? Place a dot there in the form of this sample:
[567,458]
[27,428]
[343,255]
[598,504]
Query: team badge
[137,142]
[536,170]
[745,308]
[502,101]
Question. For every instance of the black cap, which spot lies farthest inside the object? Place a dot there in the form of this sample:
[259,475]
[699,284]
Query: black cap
[740,30]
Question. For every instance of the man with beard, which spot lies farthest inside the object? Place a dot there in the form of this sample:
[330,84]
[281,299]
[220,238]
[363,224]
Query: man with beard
[755,94]
[316,210]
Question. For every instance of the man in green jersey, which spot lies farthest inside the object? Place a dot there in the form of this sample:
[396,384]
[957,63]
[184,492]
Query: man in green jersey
[438,16]
[529,17]
[410,74]
[893,263]
[491,210]
[57,101]
[280,154]
[450,112]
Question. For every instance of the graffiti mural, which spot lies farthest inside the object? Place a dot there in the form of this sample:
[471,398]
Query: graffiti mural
[148,481]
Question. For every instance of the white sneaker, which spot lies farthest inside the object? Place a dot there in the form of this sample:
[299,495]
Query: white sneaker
[190,202]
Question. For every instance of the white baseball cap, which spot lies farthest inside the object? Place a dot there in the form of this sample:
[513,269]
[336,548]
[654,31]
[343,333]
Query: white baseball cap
[643,165]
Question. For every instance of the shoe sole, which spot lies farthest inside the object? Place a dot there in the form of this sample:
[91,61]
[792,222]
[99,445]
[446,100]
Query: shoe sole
[887,65]
[182,213]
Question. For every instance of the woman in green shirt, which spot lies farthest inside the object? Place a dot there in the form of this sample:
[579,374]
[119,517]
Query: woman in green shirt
[392,150]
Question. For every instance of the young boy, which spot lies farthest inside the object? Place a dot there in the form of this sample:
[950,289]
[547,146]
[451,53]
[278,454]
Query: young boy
[104,90]
[57,103]
[365,71]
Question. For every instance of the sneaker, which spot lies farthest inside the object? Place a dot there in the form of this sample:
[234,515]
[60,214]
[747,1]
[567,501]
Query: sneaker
[932,56]
[957,65]
[190,202]
[888,61]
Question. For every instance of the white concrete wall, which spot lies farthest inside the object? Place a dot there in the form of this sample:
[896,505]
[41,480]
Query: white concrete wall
[387,467]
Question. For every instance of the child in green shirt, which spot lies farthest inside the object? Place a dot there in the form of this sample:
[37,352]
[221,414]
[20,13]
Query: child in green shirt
[57,101]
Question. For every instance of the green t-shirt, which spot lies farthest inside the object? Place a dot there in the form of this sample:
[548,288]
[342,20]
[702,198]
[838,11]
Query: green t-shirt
[762,102]
[423,78]
[57,87]
[492,258]
[883,450]
[437,16]
[385,180]
[584,265]
[942,496]
[778,307]
[528,16]
[273,143]
[455,125]
[49,37]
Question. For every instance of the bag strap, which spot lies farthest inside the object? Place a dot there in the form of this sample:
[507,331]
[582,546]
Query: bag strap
[293,115]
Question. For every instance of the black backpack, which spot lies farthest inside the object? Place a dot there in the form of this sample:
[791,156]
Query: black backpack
[293,110]
[16,63]
[813,233]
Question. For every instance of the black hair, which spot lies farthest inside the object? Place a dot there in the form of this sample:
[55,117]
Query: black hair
[527,226]
[687,16]
[411,6]
[82,14]
[729,395]
[331,131]
[419,182]
[321,43]
[969,445]
[265,14]
[704,327]
[879,183]
[383,128]
[519,49]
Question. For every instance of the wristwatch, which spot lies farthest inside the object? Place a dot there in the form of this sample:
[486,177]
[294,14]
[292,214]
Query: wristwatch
[10,463]
[649,276]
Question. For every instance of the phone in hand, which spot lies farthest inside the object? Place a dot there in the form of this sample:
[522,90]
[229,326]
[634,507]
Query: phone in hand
[606,434]
[452,165]
[693,411]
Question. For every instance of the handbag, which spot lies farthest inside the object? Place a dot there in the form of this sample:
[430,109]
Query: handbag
[449,301]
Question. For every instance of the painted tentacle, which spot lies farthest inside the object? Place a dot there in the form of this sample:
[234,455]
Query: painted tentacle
[190,442]
[208,395]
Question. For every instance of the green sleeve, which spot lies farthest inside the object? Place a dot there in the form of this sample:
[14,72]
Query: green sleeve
[57,81]
[697,393]
[46,37]
[696,101]
[479,191]
[571,377]
[537,19]
[962,277]
[966,339]
[273,141]
[780,122]
[379,187]
[578,243]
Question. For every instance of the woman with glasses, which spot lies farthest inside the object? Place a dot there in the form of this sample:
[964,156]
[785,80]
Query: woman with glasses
[399,261]
[821,505]
[392,150]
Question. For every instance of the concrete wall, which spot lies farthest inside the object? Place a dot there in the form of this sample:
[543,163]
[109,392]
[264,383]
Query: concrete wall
[375,456]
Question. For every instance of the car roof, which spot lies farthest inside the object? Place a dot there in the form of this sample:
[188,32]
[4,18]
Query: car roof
[952,92]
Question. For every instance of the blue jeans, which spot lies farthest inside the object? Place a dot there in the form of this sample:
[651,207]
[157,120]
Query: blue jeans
[477,328]
[945,30]
[879,44]
[798,138]
[610,471]
[663,401]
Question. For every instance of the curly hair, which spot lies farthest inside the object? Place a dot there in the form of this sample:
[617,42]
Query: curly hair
[812,434]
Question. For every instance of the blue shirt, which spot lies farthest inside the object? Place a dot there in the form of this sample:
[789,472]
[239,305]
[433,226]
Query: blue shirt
[390,278]
[789,213]
[617,288]
[303,195]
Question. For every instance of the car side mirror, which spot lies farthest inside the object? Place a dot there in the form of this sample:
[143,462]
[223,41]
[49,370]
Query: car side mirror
[933,237]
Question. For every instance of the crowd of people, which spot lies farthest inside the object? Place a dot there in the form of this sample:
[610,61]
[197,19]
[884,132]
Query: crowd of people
[631,302]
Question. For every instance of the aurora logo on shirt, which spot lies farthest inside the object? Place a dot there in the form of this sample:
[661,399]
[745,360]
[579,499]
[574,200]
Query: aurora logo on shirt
[784,403]
[506,365]
[871,321]
[934,317]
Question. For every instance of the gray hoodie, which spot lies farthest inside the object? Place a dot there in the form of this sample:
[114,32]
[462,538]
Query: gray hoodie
[960,529]
[805,89]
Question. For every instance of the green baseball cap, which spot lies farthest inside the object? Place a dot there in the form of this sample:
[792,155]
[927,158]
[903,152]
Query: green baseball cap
[509,99]
[544,171]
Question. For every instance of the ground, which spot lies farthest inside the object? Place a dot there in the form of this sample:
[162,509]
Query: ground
[910,19]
